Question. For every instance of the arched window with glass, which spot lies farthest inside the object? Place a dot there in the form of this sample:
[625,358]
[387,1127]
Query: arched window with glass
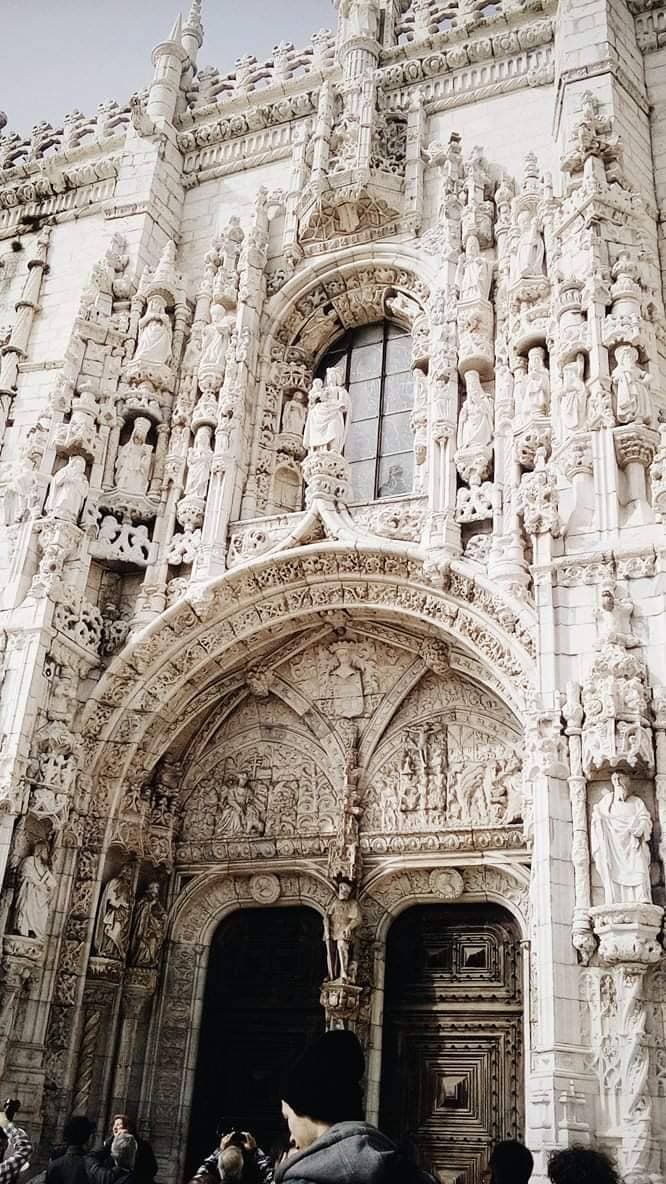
[373,362]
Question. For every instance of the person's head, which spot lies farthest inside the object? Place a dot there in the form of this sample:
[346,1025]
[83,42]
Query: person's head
[231,1163]
[323,1087]
[581,1165]
[510,1163]
[77,1130]
[123,1150]
[121,1122]
[344,888]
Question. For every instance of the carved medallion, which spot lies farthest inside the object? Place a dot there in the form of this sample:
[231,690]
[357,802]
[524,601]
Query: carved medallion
[265,889]
[446,883]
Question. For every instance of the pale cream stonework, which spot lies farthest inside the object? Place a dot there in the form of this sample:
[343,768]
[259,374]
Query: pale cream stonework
[206,686]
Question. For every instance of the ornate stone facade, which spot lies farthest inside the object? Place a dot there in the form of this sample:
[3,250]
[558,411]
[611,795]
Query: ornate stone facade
[230,682]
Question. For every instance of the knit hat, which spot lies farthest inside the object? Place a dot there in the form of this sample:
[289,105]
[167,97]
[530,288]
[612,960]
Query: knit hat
[324,1083]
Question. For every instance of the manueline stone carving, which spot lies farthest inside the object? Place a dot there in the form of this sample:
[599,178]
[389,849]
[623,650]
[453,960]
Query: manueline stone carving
[621,829]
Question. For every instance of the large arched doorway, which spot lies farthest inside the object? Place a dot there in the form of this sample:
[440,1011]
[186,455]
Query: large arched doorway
[452,1076]
[261,1007]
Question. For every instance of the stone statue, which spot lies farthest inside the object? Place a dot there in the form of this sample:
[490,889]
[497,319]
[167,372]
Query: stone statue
[474,273]
[528,259]
[537,384]
[154,344]
[36,883]
[135,460]
[68,490]
[329,414]
[293,415]
[573,399]
[340,924]
[199,461]
[148,927]
[238,814]
[631,387]
[475,425]
[621,828]
[361,18]
[115,911]
[215,338]
[615,617]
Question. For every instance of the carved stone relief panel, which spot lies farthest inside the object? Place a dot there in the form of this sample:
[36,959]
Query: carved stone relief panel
[449,759]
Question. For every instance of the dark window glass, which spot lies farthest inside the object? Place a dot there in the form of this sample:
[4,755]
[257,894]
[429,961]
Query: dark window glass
[374,364]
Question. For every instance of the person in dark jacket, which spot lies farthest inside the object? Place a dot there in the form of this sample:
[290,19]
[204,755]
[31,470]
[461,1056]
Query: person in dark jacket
[69,1167]
[118,1168]
[145,1166]
[323,1105]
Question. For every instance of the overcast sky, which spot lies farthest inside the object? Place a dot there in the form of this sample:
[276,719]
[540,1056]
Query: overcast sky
[63,54]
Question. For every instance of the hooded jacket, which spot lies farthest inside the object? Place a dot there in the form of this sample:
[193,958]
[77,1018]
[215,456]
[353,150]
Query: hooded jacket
[350,1151]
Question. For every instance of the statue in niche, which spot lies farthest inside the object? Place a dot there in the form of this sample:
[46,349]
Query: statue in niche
[154,344]
[199,461]
[474,273]
[537,383]
[36,885]
[621,828]
[148,928]
[529,254]
[293,415]
[135,460]
[68,490]
[346,680]
[329,415]
[361,18]
[573,399]
[475,425]
[615,617]
[340,924]
[631,386]
[115,912]
[238,811]
[215,338]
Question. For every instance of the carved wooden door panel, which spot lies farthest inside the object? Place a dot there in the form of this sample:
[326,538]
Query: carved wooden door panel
[452,1059]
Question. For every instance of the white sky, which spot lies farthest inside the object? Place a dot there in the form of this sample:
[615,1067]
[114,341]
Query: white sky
[58,55]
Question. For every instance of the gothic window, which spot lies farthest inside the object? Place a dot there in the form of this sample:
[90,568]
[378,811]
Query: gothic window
[374,364]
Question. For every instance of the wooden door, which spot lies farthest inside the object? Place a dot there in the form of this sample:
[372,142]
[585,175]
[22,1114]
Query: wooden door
[261,1008]
[452,1053]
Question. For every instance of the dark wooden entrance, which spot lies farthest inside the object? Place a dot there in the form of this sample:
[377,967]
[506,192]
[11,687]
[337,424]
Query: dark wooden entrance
[452,1054]
[261,1007]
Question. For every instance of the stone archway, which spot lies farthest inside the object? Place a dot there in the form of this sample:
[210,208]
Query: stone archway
[197,914]
[209,654]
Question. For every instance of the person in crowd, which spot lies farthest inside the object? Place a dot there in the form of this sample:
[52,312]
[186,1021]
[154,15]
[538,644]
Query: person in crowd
[118,1168]
[257,1167]
[145,1166]
[581,1165]
[17,1151]
[511,1162]
[323,1105]
[69,1166]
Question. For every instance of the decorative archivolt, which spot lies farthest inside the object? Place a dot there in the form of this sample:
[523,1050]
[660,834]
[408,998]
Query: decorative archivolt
[180,665]
[388,892]
[211,897]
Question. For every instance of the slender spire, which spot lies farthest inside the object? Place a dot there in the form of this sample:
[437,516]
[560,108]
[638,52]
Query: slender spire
[193,32]
[177,30]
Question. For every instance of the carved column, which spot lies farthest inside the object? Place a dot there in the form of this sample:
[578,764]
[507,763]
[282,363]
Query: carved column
[138,989]
[583,938]
[16,349]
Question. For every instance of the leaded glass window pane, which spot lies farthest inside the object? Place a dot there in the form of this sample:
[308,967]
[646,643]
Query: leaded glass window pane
[374,363]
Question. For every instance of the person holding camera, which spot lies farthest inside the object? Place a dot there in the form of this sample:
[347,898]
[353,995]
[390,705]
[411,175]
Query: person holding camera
[237,1158]
[18,1147]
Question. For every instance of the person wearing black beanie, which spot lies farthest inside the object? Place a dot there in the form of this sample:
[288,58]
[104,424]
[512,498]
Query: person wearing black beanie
[322,1102]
